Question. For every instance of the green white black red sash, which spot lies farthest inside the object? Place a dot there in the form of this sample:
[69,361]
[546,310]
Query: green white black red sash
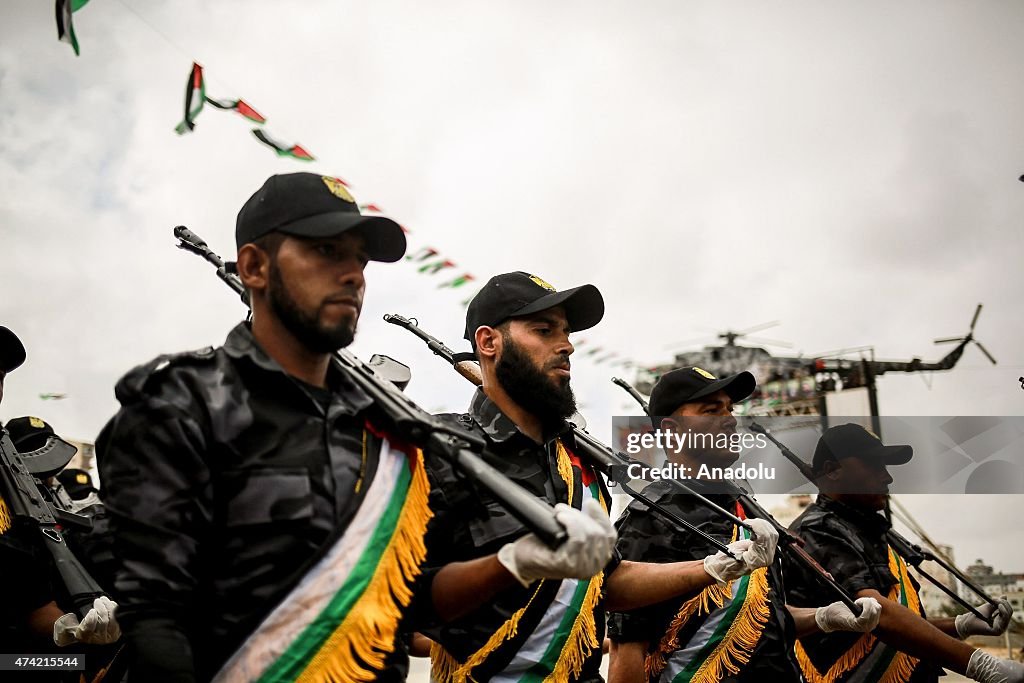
[564,630]
[734,617]
[340,622]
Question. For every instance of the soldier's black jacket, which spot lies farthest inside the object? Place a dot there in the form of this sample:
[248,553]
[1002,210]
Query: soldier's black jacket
[851,545]
[223,477]
[468,523]
[644,536]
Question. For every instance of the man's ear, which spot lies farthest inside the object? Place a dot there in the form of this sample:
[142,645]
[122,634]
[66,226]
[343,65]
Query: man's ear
[488,342]
[831,470]
[253,267]
[669,424]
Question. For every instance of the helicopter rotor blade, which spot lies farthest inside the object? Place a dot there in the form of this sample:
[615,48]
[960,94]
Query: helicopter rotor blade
[985,351]
[758,328]
[684,342]
[769,342]
[977,312]
[947,340]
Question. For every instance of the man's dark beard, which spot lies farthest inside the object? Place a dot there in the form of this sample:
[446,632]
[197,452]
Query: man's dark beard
[528,386]
[306,328]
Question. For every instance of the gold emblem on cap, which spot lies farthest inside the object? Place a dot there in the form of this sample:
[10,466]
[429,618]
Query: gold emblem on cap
[82,478]
[704,373]
[338,189]
[543,283]
[36,422]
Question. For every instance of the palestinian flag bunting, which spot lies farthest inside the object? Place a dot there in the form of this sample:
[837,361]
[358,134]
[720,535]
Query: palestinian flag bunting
[294,151]
[65,29]
[241,106]
[195,91]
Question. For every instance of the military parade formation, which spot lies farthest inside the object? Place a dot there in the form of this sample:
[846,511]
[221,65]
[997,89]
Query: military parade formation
[276,509]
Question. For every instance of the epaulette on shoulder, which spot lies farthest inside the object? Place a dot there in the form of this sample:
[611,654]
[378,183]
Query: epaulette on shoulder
[142,375]
[160,363]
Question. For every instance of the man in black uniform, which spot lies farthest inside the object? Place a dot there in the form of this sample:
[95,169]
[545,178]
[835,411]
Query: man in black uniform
[30,618]
[230,473]
[737,631]
[843,530]
[505,625]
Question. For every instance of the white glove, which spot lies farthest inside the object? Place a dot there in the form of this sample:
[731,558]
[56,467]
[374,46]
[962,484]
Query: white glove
[839,617]
[589,546]
[99,627]
[967,624]
[756,553]
[985,668]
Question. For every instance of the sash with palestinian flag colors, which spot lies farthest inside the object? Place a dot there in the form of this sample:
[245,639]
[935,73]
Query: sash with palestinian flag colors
[341,621]
[870,660]
[559,614]
[734,617]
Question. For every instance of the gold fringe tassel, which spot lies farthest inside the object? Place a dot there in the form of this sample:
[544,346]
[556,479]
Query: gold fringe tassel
[716,594]
[712,597]
[444,668]
[902,665]
[583,637]
[740,640]
[370,628]
[565,468]
[5,516]
[846,663]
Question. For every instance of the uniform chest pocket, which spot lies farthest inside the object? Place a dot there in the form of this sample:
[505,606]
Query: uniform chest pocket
[493,522]
[267,494]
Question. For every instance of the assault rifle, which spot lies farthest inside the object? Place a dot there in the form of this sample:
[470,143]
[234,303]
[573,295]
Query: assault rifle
[414,425]
[34,507]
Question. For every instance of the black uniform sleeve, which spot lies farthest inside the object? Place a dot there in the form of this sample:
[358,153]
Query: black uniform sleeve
[157,491]
[845,560]
[643,537]
[25,587]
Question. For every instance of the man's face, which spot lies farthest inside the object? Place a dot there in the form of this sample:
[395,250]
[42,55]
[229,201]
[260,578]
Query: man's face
[712,416]
[316,288]
[862,483]
[533,364]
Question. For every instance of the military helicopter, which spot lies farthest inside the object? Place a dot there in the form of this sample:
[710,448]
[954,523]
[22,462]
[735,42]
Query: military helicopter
[800,382]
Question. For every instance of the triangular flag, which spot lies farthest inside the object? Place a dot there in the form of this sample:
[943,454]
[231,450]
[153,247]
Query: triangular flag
[241,106]
[294,151]
[457,282]
[65,29]
[422,254]
[434,268]
[195,91]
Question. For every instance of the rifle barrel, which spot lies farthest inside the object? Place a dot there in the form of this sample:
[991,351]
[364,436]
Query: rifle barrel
[415,425]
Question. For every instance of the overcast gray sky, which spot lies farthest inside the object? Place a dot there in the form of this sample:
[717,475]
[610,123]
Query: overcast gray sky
[847,168]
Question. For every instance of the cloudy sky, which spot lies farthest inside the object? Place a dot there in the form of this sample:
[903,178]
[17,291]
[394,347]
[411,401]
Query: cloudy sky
[847,168]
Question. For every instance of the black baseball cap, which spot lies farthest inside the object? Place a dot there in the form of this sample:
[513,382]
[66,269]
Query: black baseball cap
[854,441]
[12,351]
[28,433]
[311,205]
[512,295]
[76,482]
[683,385]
